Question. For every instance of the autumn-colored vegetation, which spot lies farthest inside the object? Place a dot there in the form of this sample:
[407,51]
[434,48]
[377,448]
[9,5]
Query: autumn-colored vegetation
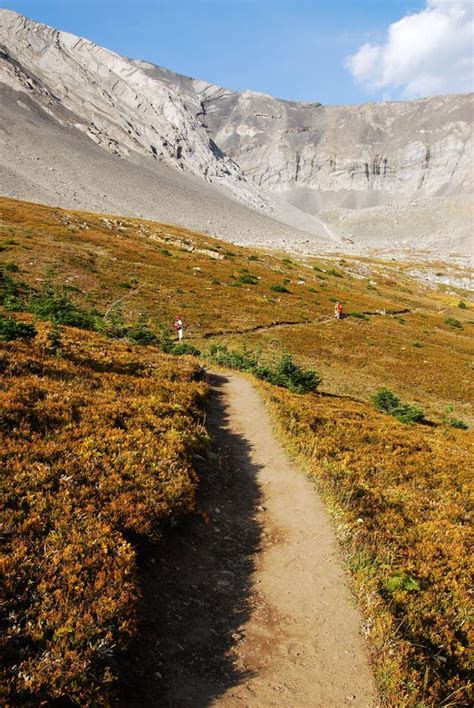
[402,496]
[100,432]
[124,269]
[97,446]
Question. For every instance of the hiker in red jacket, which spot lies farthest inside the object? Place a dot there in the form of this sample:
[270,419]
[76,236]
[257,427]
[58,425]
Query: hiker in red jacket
[338,311]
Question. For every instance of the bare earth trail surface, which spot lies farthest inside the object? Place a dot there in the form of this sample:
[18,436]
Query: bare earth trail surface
[283,325]
[250,607]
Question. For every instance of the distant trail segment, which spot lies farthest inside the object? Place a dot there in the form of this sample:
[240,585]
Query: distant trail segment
[301,645]
[284,323]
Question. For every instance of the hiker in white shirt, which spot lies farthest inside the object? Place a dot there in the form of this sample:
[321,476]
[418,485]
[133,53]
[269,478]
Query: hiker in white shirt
[178,325]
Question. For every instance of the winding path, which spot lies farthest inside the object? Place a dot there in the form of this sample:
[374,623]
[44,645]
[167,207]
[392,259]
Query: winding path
[251,608]
[287,323]
[302,639]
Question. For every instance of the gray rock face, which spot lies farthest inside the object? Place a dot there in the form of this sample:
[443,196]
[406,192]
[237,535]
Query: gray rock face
[111,100]
[324,156]
[141,140]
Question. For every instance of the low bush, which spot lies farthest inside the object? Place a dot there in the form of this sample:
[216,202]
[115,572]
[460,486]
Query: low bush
[141,333]
[453,323]
[357,315]
[55,339]
[247,279]
[286,373]
[387,402]
[12,267]
[449,419]
[277,288]
[97,450]
[11,329]
[401,498]
[11,291]
[185,348]
[280,372]
[54,303]
[242,360]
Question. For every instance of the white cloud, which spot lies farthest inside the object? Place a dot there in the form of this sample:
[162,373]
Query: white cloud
[427,53]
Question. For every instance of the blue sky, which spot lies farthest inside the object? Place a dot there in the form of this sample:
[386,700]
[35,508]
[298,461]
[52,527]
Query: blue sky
[294,49]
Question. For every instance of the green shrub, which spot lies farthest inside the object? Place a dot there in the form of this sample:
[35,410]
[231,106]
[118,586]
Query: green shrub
[11,329]
[54,303]
[286,373]
[242,361]
[11,267]
[277,288]
[140,332]
[164,340]
[335,272]
[113,325]
[55,339]
[449,419]
[387,402]
[247,279]
[185,348]
[462,305]
[283,372]
[453,323]
[11,292]
[400,582]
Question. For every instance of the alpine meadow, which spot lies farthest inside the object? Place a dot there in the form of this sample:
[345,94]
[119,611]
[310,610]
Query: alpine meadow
[236,354]
[102,417]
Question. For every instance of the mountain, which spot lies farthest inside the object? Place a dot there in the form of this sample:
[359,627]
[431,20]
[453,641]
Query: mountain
[353,156]
[81,126]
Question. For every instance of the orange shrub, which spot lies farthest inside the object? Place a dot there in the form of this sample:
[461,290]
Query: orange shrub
[97,448]
[404,494]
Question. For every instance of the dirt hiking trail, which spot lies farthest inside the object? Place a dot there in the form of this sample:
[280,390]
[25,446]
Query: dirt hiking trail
[251,608]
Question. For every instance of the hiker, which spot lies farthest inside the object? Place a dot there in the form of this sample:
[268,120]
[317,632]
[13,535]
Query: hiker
[338,312]
[178,325]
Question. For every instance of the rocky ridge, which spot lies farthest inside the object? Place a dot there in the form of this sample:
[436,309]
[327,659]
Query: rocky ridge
[112,101]
[81,126]
[350,156]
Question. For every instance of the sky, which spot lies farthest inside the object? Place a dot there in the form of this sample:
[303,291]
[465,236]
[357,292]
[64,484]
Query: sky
[329,51]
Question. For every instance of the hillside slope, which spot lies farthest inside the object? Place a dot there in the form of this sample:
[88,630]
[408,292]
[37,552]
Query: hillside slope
[81,126]
[116,428]
[266,299]
[353,156]
[64,92]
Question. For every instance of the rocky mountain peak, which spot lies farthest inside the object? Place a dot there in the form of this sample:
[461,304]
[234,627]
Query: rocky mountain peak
[346,175]
[113,101]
